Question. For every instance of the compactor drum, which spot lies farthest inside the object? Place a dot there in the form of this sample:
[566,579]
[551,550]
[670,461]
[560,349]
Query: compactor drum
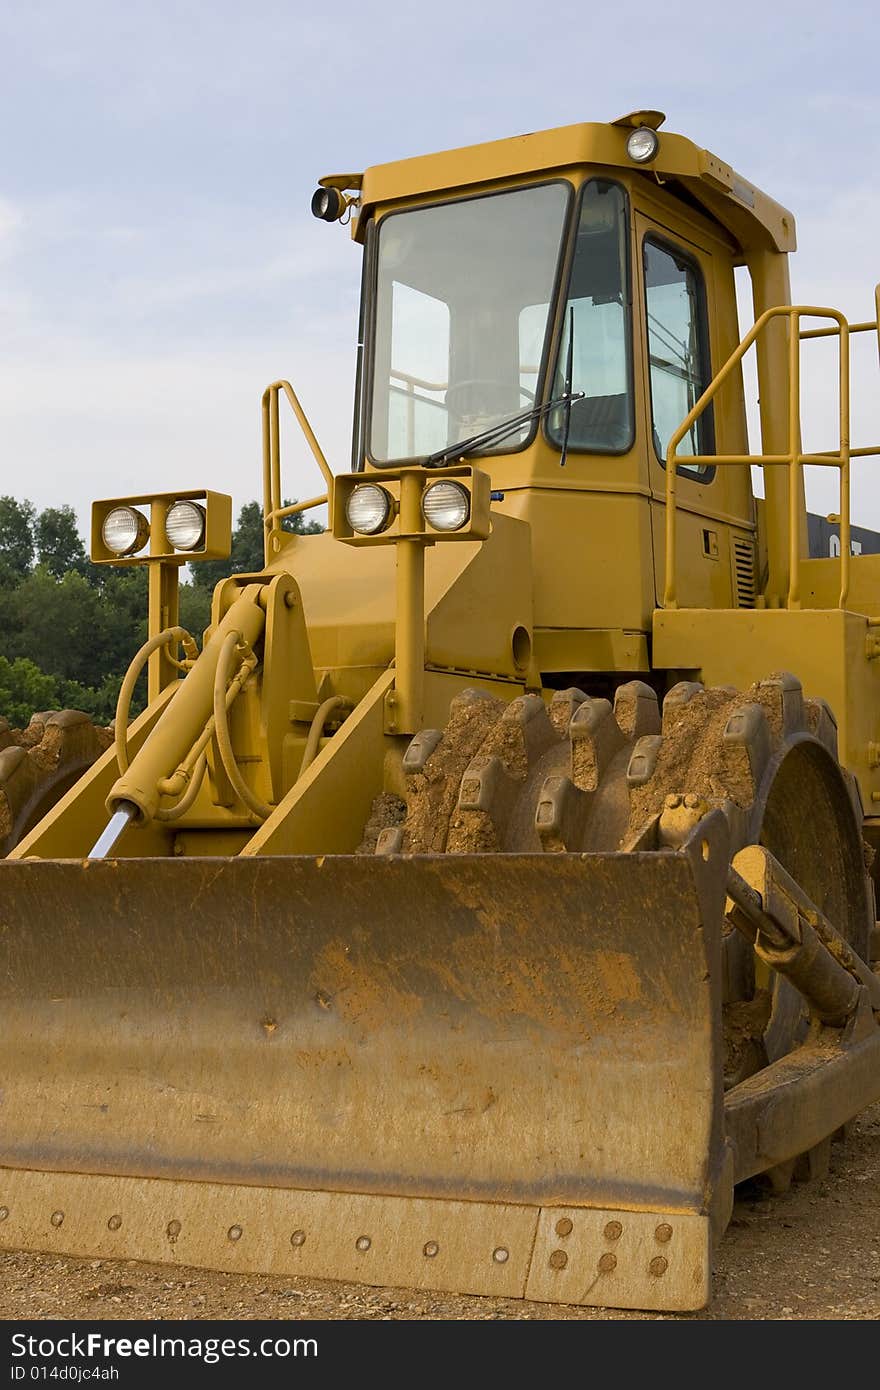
[460,915]
[39,764]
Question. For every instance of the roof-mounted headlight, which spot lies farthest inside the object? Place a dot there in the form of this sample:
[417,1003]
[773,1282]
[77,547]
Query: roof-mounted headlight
[331,204]
[328,204]
[643,144]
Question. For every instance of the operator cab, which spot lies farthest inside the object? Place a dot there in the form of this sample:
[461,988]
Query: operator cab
[551,308]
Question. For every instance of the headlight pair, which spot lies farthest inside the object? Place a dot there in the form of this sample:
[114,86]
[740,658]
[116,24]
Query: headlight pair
[125,530]
[446,506]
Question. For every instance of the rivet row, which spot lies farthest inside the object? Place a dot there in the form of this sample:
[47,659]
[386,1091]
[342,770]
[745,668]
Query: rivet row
[234,1233]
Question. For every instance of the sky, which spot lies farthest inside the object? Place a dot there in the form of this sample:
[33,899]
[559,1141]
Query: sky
[159,264]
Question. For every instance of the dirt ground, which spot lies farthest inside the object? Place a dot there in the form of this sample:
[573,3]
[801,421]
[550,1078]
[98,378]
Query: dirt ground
[811,1253]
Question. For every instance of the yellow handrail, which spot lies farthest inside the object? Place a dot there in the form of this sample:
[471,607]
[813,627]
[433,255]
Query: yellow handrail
[273,510]
[794,458]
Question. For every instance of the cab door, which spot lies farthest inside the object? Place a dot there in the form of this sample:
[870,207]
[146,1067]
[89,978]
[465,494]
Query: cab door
[688,331]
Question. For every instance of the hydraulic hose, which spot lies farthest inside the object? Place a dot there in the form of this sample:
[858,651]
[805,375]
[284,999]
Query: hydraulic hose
[182,723]
[232,643]
[126,690]
[317,729]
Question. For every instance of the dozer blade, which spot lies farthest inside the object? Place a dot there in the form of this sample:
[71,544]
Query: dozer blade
[496,1074]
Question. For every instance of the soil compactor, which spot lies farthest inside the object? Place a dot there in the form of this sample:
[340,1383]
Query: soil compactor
[491,893]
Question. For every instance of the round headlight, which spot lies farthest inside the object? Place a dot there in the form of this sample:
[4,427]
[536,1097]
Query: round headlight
[446,506]
[328,204]
[185,525]
[368,509]
[643,144]
[124,530]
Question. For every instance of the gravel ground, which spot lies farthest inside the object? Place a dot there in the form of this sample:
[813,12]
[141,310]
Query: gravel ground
[811,1253]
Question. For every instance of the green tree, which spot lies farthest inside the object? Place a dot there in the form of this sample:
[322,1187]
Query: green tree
[60,624]
[69,629]
[247,540]
[59,544]
[298,525]
[17,520]
[195,609]
[72,629]
[25,690]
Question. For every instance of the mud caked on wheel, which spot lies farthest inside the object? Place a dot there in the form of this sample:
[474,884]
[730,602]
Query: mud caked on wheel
[524,776]
[580,774]
[39,764]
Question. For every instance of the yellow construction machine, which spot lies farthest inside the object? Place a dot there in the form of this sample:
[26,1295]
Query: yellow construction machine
[492,891]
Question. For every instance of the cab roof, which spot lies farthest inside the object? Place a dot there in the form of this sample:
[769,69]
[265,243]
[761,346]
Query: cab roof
[754,219]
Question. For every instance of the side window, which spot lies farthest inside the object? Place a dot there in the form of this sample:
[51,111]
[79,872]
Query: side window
[678,351]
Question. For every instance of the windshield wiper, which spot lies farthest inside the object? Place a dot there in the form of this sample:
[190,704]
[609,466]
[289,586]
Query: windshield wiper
[569,369]
[496,433]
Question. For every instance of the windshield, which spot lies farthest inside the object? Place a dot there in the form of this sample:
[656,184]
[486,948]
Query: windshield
[463,299]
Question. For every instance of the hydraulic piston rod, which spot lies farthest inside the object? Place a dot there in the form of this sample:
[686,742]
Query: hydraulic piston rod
[790,934]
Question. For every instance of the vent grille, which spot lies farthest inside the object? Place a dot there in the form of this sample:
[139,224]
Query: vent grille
[744,572]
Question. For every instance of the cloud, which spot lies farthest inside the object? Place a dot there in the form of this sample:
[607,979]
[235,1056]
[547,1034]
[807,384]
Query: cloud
[155,267]
[11,222]
[86,425]
[221,281]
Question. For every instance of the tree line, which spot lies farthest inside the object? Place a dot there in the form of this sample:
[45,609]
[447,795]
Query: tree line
[68,628]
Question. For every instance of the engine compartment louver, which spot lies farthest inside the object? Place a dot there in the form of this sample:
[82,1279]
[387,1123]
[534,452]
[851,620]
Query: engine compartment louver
[744,572]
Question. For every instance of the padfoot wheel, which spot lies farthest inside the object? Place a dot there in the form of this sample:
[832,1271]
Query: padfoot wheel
[39,764]
[578,774]
[523,776]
